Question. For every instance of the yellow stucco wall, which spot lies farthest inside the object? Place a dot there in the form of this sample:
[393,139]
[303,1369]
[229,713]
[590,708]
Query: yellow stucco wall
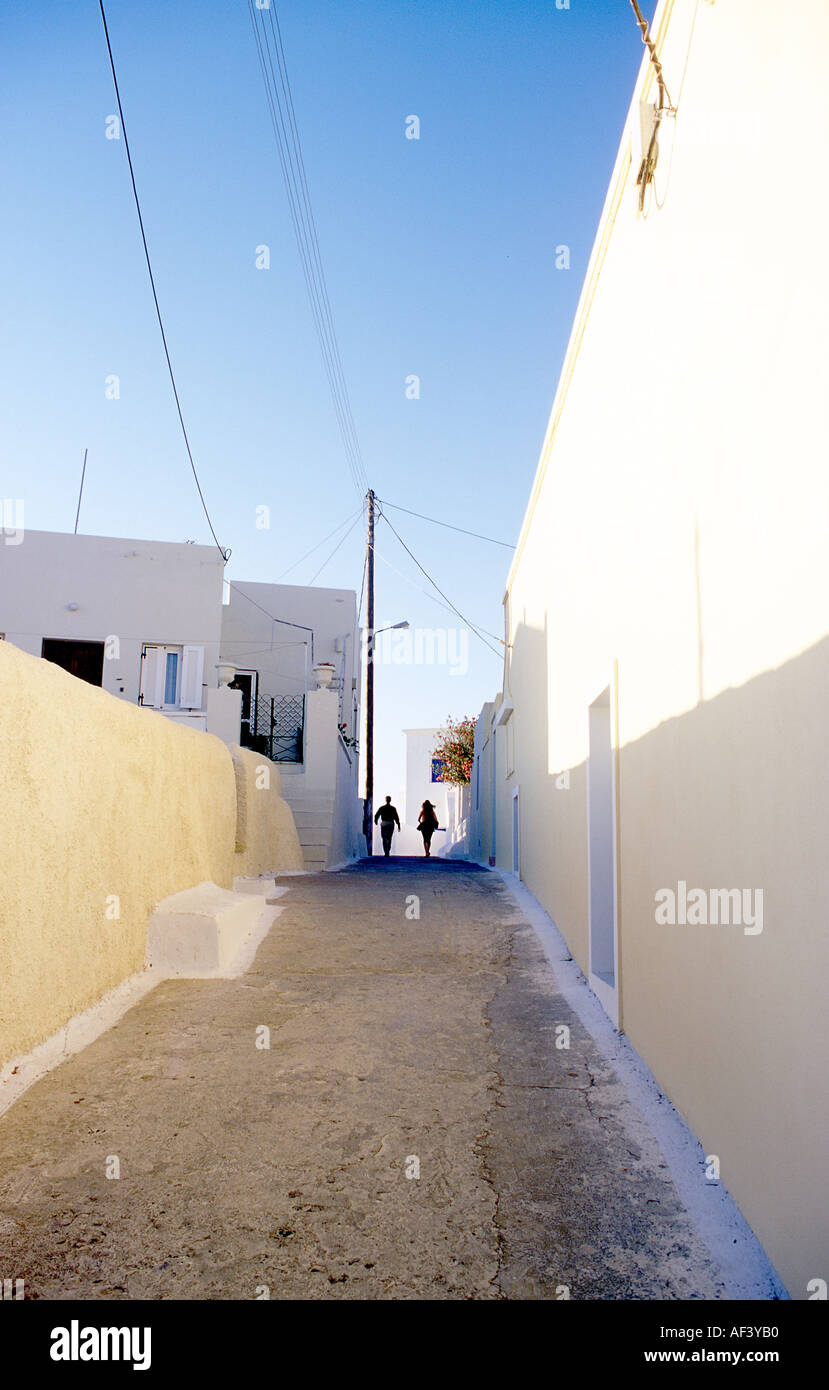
[99,800]
[266,836]
[677,528]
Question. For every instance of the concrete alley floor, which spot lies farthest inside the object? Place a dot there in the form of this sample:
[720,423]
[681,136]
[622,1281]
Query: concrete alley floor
[398,1044]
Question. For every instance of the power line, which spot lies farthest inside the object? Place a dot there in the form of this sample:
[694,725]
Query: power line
[363,586]
[478,632]
[224,553]
[664,96]
[407,579]
[284,621]
[277,32]
[271,53]
[340,542]
[444,596]
[447,524]
[310,552]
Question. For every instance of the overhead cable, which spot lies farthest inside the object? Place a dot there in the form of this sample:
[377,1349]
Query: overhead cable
[664,97]
[340,542]
[223,552]
[447,524]
[310,552]
[478,631]
[284,621]
[407,579]
[363,584]
[274,69]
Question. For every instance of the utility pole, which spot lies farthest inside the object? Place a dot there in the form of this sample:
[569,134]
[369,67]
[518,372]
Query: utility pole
[369,802]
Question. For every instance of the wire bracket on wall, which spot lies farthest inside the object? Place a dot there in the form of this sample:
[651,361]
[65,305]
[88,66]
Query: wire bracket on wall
[649,120]
[664,104]
[651,113]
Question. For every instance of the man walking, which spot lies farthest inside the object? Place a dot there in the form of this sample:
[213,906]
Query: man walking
[388,818]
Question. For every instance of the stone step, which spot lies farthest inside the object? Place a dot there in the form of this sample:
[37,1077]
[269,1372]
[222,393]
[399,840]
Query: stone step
[310,803]
[306,819]
[314,817]
[318,848]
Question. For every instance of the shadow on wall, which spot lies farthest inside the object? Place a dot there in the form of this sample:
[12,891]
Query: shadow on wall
[727,802]
[266,835]
[732,1018]
[530,652]
[514,741]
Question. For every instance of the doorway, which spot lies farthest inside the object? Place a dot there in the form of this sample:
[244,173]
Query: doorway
[82,659]
[516,836]
[248,683]
[601,853]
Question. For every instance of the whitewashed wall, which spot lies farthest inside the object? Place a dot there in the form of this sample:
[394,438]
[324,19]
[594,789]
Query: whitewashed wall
[126,593]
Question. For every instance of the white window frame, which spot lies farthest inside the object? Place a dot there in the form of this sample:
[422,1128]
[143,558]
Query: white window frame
[190,658]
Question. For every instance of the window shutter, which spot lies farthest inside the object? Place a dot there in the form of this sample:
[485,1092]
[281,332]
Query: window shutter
[151,671]
[191,678]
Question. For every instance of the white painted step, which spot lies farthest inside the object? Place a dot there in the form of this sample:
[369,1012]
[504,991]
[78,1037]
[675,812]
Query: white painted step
[199,931]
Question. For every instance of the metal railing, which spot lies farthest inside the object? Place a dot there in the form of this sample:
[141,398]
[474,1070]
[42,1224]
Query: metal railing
[276,727]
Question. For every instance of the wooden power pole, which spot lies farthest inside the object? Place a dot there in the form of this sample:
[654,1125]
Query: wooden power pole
[369,803]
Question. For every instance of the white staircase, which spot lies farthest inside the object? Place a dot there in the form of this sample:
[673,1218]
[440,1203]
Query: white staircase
[314,820]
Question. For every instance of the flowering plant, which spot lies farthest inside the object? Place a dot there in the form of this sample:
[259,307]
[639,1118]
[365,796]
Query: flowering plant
[456,749]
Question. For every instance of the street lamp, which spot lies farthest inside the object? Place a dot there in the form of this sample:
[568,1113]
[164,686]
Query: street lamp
[371,633]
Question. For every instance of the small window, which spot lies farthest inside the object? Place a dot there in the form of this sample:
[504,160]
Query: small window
[171,677]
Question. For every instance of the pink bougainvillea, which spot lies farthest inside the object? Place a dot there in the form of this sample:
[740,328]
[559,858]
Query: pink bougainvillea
[456,749]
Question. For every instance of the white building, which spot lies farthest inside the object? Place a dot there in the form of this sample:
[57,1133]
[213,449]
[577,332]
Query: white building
[422,776]
[654,767]
[146,621]
[296,656]
[422,771]
[276,634]
[141,619]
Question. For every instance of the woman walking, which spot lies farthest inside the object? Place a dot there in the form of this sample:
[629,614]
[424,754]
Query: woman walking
[427,824]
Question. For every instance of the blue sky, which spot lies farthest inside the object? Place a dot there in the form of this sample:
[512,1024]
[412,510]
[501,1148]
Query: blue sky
[439,255]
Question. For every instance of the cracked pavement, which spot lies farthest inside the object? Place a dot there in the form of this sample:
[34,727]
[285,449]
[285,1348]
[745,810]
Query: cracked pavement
[396,1043]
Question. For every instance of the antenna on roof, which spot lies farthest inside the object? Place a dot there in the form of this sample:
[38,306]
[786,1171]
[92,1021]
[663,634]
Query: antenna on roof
[80,494]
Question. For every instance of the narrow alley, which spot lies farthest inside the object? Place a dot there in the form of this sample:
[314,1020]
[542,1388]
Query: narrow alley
[411,1131]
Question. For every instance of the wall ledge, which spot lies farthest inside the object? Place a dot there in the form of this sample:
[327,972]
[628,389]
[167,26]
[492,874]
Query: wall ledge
[259,912]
